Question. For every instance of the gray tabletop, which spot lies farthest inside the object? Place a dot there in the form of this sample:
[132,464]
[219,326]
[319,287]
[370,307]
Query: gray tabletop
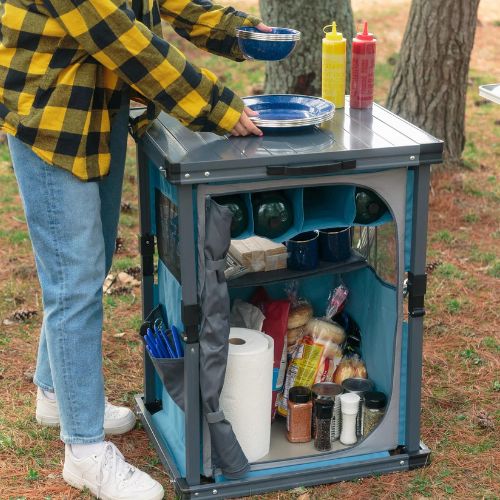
[360,139]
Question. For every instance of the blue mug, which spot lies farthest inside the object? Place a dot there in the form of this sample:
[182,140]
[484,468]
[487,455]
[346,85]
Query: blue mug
[335,244]
[303,251]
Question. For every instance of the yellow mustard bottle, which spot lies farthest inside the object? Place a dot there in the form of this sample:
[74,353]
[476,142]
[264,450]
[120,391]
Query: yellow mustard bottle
[333,71]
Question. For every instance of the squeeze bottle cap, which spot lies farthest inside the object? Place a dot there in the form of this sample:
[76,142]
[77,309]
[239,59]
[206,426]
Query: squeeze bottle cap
[332,34]
[365,35]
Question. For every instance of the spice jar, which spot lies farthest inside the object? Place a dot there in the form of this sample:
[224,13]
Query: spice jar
[323,410]
[358,386]
[328,390]
[298,420]
[373,410]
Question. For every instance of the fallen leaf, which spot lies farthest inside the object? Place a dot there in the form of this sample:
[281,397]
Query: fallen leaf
[119,335]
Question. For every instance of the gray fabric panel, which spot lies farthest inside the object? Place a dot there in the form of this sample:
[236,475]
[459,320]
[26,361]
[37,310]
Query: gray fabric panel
[214,336]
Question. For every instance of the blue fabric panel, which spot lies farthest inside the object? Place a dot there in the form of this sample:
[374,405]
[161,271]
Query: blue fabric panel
[403,376]
[169,423]
[409,217]
[170,296]
[328,206]
[312,465]
[373,305]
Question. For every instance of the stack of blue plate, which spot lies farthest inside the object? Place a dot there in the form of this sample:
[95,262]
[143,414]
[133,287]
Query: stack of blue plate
[289,110]
[263,46]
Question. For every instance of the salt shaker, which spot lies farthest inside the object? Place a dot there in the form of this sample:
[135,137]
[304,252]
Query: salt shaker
[349,406]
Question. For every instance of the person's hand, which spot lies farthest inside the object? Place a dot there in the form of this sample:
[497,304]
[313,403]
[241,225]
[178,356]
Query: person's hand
[245,126]
[263,27]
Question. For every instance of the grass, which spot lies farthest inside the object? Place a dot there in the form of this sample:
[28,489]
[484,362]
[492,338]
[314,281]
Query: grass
[461,342]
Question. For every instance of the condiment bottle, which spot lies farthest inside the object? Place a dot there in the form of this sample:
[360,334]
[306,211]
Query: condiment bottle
[363,69]
[349,405]
[298,420]
[333,69]
[323,410]
[373,410]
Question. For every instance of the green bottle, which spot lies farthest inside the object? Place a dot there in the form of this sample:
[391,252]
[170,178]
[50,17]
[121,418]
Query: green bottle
[369,207]
[237,205]
[272,213]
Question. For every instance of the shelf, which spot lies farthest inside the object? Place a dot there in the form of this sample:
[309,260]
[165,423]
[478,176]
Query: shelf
[354,263]
[282,449]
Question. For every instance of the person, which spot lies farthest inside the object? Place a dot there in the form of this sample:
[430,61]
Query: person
[68,69]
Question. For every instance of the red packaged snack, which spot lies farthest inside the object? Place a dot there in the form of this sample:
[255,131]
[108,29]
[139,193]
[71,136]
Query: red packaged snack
[275,325]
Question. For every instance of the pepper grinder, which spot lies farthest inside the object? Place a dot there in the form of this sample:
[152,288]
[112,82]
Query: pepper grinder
[349,406]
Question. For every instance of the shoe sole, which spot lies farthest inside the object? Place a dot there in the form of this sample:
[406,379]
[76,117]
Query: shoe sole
[80,484]
[112,431]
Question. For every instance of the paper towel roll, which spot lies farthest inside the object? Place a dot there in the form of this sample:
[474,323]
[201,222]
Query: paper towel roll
[247,393]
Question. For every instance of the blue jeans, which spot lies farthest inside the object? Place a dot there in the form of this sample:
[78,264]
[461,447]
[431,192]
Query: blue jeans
[72,226]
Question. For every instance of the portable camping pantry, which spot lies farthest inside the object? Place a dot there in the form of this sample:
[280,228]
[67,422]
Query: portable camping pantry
[318,169]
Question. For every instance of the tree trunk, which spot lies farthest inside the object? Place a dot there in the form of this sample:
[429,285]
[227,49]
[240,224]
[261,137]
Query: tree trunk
[300,73]
[430,81]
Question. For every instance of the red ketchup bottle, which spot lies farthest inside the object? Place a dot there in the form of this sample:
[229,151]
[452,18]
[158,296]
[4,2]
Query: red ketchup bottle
[363,69]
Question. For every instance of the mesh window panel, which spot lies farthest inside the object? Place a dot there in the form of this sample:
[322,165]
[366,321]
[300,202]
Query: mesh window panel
[167,229]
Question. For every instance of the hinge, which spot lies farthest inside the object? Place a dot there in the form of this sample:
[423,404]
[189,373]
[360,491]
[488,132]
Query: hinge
[191,317]
[417,286]
[147,251]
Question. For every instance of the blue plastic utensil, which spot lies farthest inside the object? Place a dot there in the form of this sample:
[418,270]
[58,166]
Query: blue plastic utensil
[170,349]
[177,342]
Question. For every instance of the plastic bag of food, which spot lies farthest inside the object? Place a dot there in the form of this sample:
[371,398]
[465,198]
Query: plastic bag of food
[336,301]
[325,329]
[350,366]
[314,358]
[300,313]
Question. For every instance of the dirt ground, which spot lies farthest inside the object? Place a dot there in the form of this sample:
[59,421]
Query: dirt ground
[461,377]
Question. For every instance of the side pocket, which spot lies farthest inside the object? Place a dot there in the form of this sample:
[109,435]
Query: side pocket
[171,373]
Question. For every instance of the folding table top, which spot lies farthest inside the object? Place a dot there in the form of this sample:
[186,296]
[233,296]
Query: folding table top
[353,139]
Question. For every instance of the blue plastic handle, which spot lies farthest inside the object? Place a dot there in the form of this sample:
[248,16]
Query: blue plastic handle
[177,342]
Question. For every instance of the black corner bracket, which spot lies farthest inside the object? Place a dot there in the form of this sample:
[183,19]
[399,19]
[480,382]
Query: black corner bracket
[147,251]
[191,318]
[417,286]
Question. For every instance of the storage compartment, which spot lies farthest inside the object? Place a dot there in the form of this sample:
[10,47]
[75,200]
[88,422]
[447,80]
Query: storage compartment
[373,306]
[295,200]
[328,207]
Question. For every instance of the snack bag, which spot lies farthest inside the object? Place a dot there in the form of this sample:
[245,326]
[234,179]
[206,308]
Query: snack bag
[302,369]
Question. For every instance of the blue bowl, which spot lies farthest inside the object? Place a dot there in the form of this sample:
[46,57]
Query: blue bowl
[263,49]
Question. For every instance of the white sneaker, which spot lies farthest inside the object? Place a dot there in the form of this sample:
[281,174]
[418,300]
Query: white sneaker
[117,419]
[109,477]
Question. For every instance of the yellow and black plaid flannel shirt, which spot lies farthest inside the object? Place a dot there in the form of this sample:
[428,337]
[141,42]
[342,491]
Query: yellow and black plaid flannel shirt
[64,64]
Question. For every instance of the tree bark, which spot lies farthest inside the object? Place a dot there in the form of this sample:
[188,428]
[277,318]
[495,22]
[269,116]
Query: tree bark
[300,73]
[430,81]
